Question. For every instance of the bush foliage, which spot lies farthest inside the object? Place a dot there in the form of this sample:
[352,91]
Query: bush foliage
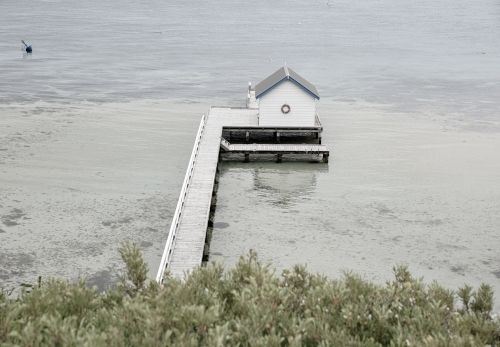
[248,306]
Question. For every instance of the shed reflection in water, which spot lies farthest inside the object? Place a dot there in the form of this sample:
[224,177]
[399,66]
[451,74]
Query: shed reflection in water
[279,191]
[283,187]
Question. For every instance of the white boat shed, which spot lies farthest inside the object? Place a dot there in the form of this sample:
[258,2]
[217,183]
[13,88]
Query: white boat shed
[286,99]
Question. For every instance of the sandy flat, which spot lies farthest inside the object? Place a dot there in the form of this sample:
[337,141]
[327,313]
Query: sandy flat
[78,179]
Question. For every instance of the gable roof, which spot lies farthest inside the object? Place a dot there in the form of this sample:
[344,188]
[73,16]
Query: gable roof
[281,75]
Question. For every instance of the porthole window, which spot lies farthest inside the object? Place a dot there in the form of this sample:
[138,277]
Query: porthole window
[285,108]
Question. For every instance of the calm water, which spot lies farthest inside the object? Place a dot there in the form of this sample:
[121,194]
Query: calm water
[394,52]
[96,127]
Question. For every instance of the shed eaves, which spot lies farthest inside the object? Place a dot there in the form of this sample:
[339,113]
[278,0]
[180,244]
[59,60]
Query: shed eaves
[281,75]
[305,84]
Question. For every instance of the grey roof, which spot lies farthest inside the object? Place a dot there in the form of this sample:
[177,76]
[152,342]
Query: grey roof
[281,75]
[273,80]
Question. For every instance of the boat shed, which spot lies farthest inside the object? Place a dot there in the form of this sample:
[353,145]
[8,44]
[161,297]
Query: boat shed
[286,99]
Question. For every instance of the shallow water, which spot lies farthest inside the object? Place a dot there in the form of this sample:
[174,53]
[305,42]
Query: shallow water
[96,128]
[79,179]
[397,190]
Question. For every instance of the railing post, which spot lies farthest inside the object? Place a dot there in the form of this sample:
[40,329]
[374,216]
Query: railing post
[248,93]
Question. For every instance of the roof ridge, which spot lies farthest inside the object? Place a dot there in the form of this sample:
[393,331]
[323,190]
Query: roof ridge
[283,74]
[286,72]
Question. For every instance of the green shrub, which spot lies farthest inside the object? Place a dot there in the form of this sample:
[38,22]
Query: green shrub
[247,306]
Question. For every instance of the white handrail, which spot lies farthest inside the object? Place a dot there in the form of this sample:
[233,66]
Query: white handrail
[318,119]
[225,143]
[167,252]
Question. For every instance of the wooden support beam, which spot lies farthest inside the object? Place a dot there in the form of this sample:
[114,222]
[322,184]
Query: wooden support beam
[280,158]
[213,202]
[247,157]
[206,252]
[325,158]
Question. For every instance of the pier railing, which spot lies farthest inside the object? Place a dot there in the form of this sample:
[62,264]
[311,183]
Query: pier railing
[167,253]
[317,120]
[225,144]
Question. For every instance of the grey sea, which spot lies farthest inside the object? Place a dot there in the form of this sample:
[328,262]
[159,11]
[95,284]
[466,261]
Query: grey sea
[97,125]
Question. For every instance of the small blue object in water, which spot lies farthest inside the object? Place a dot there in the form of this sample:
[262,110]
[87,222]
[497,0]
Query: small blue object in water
[28,48]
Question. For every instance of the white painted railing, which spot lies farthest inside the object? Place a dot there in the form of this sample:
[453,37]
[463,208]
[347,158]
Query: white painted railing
[167,253]
[318,120]
[225,144]
[248,94]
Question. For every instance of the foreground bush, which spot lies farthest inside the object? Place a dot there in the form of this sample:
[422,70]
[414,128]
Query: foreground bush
[248,306]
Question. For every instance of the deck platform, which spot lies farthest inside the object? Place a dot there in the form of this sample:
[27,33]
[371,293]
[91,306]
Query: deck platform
[259,148]
[185,244]
[278,149]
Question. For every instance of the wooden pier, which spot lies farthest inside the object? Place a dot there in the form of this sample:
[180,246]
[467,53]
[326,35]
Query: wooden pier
[187,241]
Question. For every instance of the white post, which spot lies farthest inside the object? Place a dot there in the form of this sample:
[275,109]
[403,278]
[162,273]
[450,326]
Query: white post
[248,94]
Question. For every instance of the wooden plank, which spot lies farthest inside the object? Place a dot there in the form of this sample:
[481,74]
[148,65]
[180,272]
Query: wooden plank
[278,148]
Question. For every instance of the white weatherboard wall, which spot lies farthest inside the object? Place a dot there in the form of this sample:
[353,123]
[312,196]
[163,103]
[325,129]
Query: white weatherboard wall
[302,106]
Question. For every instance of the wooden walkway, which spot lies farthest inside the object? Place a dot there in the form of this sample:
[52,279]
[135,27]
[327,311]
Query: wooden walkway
[186,239]
[274,148]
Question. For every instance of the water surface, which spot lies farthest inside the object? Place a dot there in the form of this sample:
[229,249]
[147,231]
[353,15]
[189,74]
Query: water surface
[96,127]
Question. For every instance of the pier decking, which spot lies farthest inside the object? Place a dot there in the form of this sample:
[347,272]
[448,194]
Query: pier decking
[260,148]
[186,239]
